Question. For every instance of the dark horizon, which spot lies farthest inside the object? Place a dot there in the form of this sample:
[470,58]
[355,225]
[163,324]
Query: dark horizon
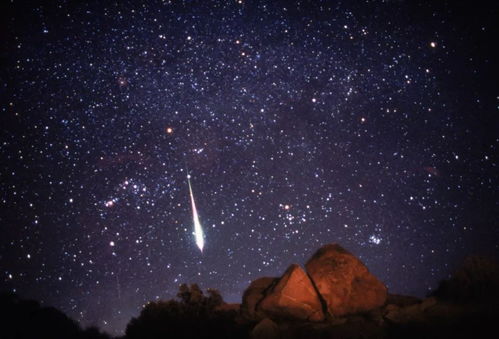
[369,124]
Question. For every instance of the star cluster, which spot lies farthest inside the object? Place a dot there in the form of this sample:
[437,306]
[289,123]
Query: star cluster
[370,124]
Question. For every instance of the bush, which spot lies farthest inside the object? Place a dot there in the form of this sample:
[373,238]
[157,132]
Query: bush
[194,315]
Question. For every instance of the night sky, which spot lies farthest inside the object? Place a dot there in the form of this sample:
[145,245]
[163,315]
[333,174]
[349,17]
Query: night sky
[370,124]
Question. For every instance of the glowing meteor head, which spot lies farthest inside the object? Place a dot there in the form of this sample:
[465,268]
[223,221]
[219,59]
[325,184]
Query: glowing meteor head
[200,245]
[198,233]
[198,229]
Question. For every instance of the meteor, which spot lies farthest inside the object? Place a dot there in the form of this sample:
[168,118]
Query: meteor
[198,230]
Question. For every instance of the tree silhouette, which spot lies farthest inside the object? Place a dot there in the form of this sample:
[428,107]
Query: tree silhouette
[193,315]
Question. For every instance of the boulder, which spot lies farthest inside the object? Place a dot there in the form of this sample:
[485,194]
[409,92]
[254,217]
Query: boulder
[411,313]
[428,303]
[293,297]
[265,329]
[344,282]
[404,315]
[393,314]
[254,294]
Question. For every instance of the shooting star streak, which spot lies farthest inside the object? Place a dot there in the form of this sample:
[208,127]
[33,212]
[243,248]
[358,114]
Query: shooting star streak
[198,230]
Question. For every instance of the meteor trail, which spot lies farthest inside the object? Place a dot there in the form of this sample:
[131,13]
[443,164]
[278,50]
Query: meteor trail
[198,230]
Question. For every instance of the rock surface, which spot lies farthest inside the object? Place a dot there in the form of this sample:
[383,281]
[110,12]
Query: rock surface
[254,294]
[414,313]
[265,329]
[293,297]
[344,282]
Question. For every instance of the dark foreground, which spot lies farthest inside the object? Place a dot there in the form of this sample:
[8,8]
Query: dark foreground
[465,306]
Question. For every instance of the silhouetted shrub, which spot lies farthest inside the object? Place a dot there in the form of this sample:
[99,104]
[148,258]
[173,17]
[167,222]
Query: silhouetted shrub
[194,315]
[477,280]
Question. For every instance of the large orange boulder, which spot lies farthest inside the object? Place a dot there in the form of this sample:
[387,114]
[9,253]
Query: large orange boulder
[344,282]
[293,297]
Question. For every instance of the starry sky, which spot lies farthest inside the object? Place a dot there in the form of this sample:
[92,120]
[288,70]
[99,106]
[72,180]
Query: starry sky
[366,123]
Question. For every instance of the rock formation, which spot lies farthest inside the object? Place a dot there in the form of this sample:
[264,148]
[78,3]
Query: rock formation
[337,283]
[344,282]
[293,297]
